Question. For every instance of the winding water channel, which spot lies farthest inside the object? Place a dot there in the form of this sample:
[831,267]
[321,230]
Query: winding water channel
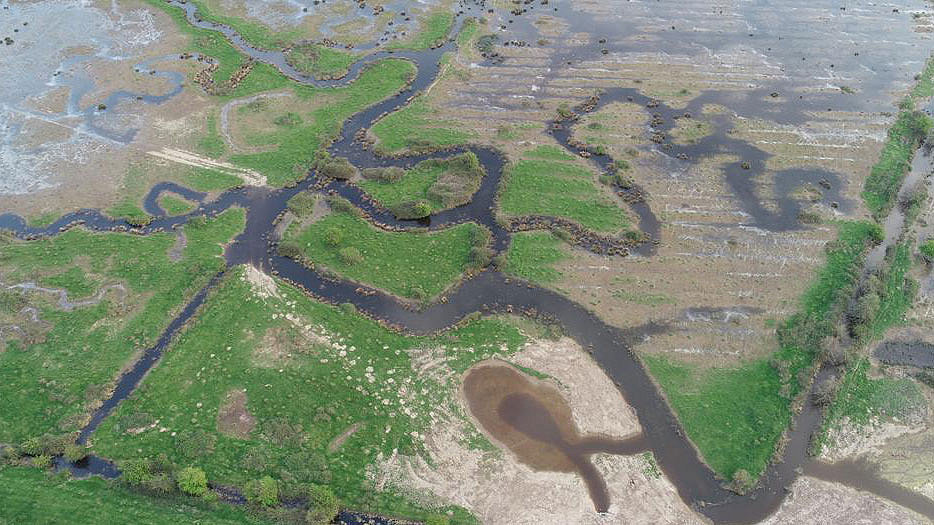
[490,291]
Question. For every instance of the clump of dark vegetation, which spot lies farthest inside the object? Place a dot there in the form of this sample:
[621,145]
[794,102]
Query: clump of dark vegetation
[303,203]
[334,167]
[339,204]
[459,180]
[418,209]
[927,250]
[289,120]
[909,130]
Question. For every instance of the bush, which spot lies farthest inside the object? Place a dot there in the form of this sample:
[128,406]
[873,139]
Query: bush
[927,250]
[303,203]
[32,447]
[75,453]
[336,168]
[290,249]
[480,256]
[136,471]
[192,481]
[412,210]
[322,505]
[42,461]
[339,204]
[333,236]
[263,491]
[283,433]
[350,255]
[348,308]
[161,484]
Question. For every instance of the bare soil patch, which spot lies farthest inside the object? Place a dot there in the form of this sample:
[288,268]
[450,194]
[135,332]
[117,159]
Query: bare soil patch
[233,417]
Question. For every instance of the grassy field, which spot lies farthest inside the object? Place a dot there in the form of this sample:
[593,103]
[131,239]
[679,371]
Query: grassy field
[561,189]
[29,495]
[309,372]
[51,379]
[320,61]
[255,33]
[434,30]
[212,144]
[443,184]
[532,255]
[295,147]
[736,416]
[175,205]
[413,265]
[861,399]
[418,127]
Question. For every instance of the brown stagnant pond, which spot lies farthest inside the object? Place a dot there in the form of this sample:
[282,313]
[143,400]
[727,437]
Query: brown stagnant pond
[533,420]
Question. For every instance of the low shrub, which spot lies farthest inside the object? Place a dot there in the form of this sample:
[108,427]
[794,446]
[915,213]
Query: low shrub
[350,255]
[303,203]
[336,168]
[322,505]
[192,481]
[412,210]
[75,453]
[263,491]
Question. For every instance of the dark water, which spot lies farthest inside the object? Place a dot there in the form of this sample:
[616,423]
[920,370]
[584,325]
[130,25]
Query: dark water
[492,292]
[911,353]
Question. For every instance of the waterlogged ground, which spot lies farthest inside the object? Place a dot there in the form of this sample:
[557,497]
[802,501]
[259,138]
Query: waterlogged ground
[742,145]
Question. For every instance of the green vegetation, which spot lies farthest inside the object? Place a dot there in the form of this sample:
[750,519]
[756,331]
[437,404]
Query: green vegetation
[320,61]
[74,280]
[212,144]
[175,206]
[434,31]
[192,481]
[255,33]
[53,394]
[413,265]
[262,77]
[417,127]
[735,416]
[887,174]
[139,178]
[547,152]
[862,399]
[927,249]
[532,256]
[296,146]
[33,496]
[563,189]
[303,203]
[292,357]
[442,183]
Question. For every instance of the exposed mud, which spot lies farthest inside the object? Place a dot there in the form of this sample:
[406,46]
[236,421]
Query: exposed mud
[233,416]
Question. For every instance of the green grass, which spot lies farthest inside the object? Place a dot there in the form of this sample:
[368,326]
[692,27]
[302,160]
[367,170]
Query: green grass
[532,256]
[139,178]
[735,416]
[176,206]
[862,399]
[548,152]
[422,182]
[414,265]
[320,61]
[306,391]
[295,147]
[417,126]
[28,495]
[48,384]
[73,280]
[904,137]
[43,219]
[433,32]
[212,144]
[562,189]
[899,292]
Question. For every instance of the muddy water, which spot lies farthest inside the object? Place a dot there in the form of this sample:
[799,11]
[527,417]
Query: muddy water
[525,414]
[533,420]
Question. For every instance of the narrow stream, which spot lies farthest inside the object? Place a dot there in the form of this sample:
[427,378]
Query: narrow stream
[492,292]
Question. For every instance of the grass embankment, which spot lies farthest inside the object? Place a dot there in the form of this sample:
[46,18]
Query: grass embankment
[886,177]
[295,146]
[175,205]
[442,184]
[54,376]
[409,264]
[32,496]
[310,372]
[416,127]
[534,186]
[320,61]
[434,30]
[532,255]
[735,416]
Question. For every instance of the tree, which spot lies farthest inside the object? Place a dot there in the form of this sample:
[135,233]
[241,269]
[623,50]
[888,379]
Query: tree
[193,481]
[322,505]
[136,471]
[263,491]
